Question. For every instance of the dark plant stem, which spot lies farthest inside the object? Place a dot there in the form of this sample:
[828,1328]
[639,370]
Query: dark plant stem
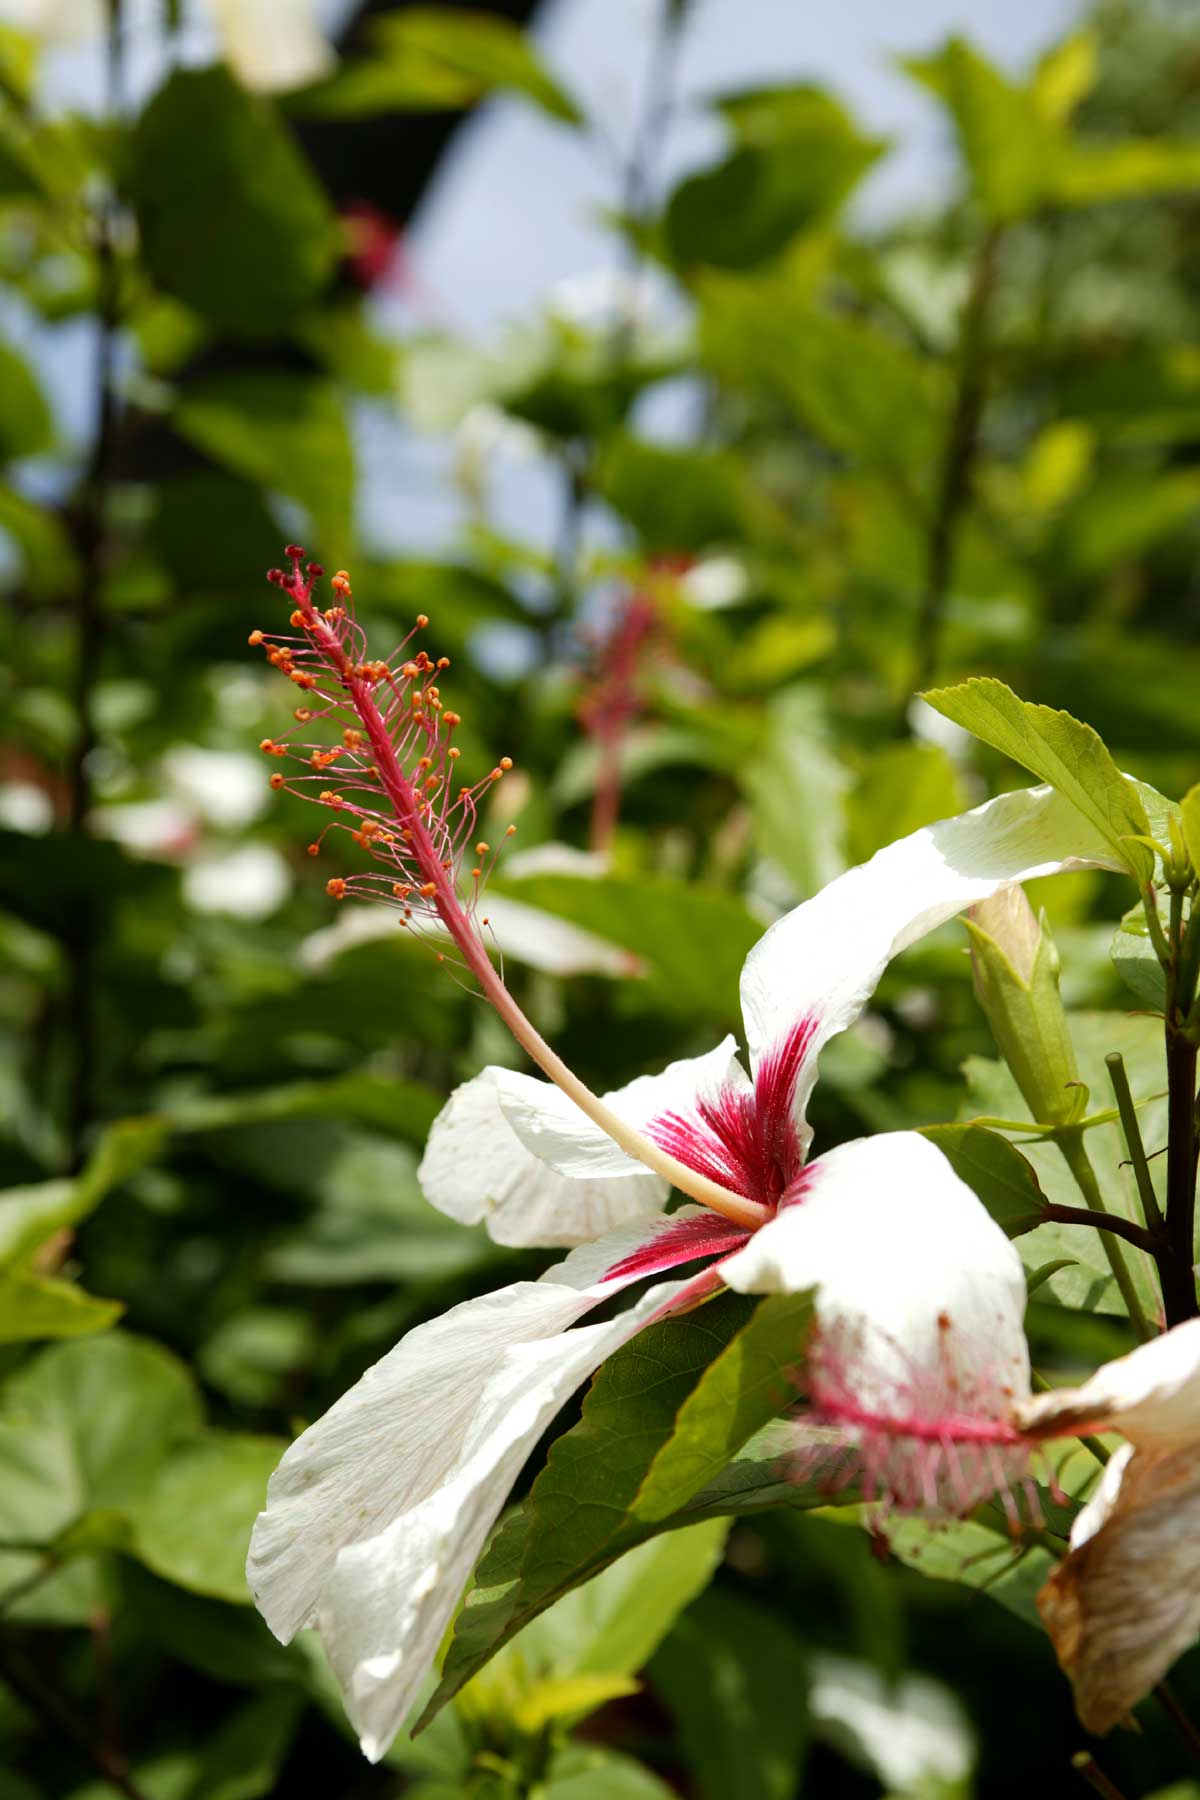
[1074,1154]
[45,1701]
[957,468]
[1115,1063]
[1086,1766]
[90,533]
[1180,1302]
[1122,1228]
[1178,1718]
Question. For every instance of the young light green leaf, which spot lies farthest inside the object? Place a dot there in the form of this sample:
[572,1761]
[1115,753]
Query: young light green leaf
[39,1306]
[1189,810]
[1058,749]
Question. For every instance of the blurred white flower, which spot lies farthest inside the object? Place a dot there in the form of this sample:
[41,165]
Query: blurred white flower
[25,807]
[250,883]
[911,1733]
[226,787]
[271,45]
[715,583]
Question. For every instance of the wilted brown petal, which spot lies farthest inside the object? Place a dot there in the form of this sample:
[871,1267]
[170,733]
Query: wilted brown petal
[1126,1602]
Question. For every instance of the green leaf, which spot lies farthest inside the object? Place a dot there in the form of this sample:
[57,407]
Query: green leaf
[429,57]
[678,499]
[241,233]
[582,1772]
[286,432]
[663,1418]
[30,1215]
[693,939]
[750,1382]
[1065,75]
[1058,749]
[995,1170]
[1090,174]
[242,1759]
[606,1629]
[192,1522]
[797,157]
[1008,143]
[734,1674]
[26,426]
[902,788]
[550,1544]
[797,784]
[109,1411]
[1189,819]
[1136,960]
[39,1306]
[1088,1283]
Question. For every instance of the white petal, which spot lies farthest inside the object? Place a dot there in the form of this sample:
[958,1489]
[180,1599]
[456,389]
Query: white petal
[820,963]
[557,1132]
[475,1167]
[1126,1601]
[1152,1395]
[916,1283]
[273,45]
[376,1514]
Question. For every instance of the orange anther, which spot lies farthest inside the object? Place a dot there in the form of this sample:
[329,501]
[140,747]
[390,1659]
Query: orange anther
[302,678]
[510,831]
[482,849]
[352,739]
[314,849]
[443,662]
[431,781]
[495,774]
[452,719]
[302,713]
[298,619]
[476,873]
[428,890]
[277,781]
[267,746]
[409,671]
[422,621]
[255,638]
[425,762]
[335,887]
[453,753]
[506,763]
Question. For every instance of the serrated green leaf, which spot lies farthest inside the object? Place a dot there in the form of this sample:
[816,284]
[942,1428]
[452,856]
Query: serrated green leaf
[1058,749]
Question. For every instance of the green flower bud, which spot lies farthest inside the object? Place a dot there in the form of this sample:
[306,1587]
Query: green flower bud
[1016,979]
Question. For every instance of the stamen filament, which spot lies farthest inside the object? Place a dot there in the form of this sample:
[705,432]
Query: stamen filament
[440,890]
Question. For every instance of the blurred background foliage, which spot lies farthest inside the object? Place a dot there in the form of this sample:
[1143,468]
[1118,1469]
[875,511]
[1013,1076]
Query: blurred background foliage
[962,441]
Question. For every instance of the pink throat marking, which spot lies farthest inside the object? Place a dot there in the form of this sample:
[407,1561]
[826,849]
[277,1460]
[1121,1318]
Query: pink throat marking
[747,1141]
[682,1242]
